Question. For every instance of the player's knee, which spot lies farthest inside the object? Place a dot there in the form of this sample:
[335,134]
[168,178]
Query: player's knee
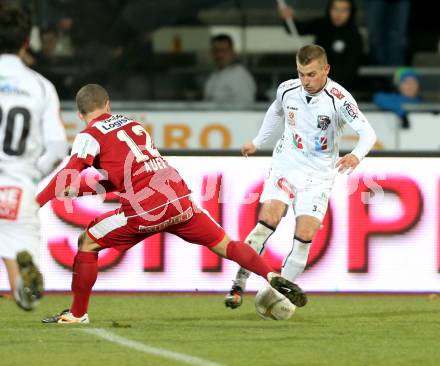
[272,212]
[305,235]
[221,247]
[86,244]
[271,220]
[81,240]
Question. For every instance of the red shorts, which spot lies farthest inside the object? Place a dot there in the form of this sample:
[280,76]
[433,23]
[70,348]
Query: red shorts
[182,218]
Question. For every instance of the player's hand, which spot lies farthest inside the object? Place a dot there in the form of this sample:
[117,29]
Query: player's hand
[248,148]
[347,163]
[70,192]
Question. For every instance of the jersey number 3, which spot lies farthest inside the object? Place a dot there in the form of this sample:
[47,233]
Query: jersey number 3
[135,148]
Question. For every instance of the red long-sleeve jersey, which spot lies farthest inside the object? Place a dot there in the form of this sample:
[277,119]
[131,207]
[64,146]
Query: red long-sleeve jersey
[122,150]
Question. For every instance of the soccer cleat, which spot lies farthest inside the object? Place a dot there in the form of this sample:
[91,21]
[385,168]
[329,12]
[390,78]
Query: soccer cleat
[30,286]
[66,317]
[292,291]
[234,298]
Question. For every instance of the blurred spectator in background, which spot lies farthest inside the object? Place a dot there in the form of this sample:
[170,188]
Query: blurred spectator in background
[56,16]
[231,82]
[424,35]
[116,45]
[407,83]
[55,65]
[338,34]
[387,23]
[116,48]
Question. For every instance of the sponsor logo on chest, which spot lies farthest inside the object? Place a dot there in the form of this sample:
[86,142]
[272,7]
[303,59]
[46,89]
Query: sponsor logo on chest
[111,124]
[291,115]
[291,118]
[321,143]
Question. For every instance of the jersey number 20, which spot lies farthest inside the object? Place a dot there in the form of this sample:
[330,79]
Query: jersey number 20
[10,130]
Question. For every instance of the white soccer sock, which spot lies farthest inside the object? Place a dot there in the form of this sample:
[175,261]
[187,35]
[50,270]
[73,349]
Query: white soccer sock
[296,260]
[256,239]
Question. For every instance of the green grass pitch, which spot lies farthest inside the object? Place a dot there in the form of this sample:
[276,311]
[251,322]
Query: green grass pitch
[330,330]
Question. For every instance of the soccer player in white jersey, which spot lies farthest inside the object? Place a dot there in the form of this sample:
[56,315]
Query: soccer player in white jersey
[314,110]
[32,142]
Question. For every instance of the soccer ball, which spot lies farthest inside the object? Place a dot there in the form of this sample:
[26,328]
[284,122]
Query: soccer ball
[272,305]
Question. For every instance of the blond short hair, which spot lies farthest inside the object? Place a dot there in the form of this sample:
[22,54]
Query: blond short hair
[310,53]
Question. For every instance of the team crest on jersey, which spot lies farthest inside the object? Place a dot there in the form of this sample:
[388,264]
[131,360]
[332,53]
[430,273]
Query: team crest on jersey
[323,122]
[291,118]
[337,93]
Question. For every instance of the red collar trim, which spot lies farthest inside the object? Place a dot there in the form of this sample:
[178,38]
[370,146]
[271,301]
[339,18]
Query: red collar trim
[100,118]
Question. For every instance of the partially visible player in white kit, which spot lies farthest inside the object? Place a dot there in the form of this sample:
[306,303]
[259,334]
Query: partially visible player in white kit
[32,142]
[314,110]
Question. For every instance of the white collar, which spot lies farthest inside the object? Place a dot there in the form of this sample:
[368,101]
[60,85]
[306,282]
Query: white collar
[11,59]
[305,94]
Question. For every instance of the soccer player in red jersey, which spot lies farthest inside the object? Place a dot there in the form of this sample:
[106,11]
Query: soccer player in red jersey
[153,198]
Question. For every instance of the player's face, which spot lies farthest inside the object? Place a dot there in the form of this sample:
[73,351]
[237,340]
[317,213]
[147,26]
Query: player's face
[313,76]
[340,12]
[222,53]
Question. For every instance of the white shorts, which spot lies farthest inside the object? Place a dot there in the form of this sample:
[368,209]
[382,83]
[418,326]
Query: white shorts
[19,222]
[308,195]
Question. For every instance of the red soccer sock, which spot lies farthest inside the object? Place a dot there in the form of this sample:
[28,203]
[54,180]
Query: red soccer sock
[85,272]
[248,258]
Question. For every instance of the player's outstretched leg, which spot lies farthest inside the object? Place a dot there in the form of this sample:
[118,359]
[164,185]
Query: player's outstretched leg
[30,285]
[85,272]
[256,239]
[289,289]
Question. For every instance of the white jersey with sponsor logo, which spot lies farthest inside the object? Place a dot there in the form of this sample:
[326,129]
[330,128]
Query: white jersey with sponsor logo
[313,126]
[29,118]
